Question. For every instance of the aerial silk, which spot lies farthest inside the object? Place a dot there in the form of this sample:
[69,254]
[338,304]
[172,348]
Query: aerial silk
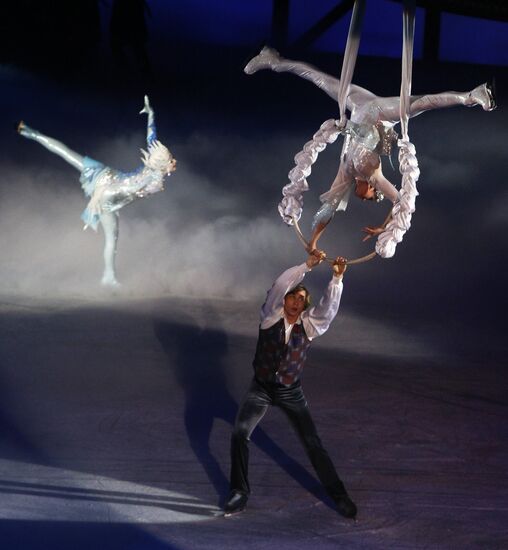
[350,55]
[291,205]
[404,206]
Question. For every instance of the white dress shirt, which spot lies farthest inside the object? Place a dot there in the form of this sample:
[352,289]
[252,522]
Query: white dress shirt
[315,319]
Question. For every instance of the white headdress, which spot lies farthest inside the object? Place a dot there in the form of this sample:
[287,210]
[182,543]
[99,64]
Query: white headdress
[157,157]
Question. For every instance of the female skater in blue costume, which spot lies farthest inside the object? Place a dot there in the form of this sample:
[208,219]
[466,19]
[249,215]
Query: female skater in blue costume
[110,190]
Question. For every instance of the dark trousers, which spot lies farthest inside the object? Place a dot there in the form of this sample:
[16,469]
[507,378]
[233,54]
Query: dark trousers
[292,401]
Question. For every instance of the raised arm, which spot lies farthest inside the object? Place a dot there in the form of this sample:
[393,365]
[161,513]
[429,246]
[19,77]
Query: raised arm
[151,132]
[384,186]
[318,318]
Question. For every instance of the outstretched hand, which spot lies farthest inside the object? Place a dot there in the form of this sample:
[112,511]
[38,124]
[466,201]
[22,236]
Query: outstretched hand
[339,266]
[371,232]
[146,108]
[315,258]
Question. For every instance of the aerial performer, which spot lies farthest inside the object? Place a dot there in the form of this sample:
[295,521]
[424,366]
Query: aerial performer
[109,189]
[288,326]
[368,135]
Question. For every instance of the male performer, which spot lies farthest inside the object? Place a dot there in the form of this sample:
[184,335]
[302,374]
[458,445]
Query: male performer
[287,329]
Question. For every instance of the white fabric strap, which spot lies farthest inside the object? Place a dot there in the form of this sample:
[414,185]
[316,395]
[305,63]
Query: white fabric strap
[404,206]
[408,17]
[350,55]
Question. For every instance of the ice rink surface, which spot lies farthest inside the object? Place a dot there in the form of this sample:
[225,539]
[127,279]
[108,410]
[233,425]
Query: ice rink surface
[116,416]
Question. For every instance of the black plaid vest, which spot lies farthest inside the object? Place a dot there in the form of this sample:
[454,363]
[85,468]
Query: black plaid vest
[278,362]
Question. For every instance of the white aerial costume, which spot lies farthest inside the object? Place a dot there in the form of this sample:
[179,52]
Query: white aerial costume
[367,135]
[109,189]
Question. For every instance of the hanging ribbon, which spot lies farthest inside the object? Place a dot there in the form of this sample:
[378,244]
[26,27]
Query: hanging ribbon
[404,206]
[350,55]
[408,18]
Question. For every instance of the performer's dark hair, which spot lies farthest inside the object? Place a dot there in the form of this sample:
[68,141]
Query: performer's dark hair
[296,289]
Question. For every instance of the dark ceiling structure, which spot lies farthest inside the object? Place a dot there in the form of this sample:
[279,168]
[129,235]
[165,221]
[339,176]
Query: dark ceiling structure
[494,10]
[36,33]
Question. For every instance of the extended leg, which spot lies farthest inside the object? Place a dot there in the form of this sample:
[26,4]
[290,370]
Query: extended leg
[269,58]
[53,145]
[388,108]
[481,95]
[109,221]
[250,413]
[296,408]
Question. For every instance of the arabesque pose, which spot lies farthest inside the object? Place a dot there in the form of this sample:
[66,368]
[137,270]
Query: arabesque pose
[368,135]
[110,190]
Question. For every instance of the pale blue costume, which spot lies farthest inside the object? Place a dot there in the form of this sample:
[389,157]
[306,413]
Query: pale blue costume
[110,189]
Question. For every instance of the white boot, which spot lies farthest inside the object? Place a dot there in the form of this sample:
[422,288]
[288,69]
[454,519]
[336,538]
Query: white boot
[109,279]
[482,95]
[265,59]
